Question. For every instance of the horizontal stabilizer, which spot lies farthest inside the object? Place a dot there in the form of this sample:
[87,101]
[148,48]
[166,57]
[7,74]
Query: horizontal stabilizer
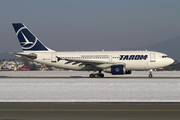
[31,56]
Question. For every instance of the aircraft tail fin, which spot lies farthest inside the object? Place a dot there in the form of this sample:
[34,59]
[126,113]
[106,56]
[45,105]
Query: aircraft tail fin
[28,41]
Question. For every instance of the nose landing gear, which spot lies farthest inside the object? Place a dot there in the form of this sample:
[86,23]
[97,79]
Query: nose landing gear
[150,73]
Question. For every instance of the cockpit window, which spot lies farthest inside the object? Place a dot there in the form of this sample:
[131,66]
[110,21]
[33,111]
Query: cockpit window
[165,56]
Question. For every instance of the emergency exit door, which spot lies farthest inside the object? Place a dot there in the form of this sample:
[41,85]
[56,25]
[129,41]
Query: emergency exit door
[110,58]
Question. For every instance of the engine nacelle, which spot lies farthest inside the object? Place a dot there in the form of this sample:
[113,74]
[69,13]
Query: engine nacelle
[116,69]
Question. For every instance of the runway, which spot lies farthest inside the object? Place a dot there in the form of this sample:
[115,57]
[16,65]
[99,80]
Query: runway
[85,75]
[81,77]
[89,111]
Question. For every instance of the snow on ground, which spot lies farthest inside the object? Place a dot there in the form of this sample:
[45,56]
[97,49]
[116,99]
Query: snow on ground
[87,89]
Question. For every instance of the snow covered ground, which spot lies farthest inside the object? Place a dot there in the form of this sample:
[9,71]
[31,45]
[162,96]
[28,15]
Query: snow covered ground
[88,89]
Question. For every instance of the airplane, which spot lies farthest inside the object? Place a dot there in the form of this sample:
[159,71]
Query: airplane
[114,62]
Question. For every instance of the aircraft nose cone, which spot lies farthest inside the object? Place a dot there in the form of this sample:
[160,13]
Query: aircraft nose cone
[171,61]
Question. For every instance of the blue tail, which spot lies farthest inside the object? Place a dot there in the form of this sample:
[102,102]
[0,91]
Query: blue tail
[28,41]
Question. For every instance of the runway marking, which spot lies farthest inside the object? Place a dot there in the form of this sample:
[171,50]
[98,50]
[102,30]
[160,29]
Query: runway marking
[86,110]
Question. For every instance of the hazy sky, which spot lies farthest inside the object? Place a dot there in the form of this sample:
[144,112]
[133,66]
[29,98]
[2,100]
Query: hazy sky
[79,25]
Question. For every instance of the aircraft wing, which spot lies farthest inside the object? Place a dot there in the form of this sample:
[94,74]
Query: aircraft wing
[95,63]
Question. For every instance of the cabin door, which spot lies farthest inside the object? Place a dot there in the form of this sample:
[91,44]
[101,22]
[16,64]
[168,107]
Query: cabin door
[53,58]
[152,57]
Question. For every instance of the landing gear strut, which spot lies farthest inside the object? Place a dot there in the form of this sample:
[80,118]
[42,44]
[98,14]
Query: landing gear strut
[96,75]
[150,73]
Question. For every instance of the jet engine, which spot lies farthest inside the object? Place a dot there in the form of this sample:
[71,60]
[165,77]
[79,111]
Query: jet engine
[117,70]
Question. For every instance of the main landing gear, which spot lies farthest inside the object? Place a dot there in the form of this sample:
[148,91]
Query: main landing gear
[96,75]
[150,73]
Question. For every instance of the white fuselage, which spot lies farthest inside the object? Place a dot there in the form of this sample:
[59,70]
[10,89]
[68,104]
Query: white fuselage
[133,60]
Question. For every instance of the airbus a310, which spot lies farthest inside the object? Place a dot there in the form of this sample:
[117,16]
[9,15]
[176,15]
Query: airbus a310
[114,62]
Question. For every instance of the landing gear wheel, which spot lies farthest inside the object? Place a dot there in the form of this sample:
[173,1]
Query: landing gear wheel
[150,75]
[96,75]
[91,76]
[101,75]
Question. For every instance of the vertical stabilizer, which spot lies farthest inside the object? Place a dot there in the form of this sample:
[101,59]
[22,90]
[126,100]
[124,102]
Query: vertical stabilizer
[28,41]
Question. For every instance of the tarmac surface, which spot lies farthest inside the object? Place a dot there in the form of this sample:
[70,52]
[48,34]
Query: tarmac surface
[89,111]
[79,77]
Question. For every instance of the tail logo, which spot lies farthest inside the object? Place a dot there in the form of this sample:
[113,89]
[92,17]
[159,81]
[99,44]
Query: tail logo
[27,41]
[26,38]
